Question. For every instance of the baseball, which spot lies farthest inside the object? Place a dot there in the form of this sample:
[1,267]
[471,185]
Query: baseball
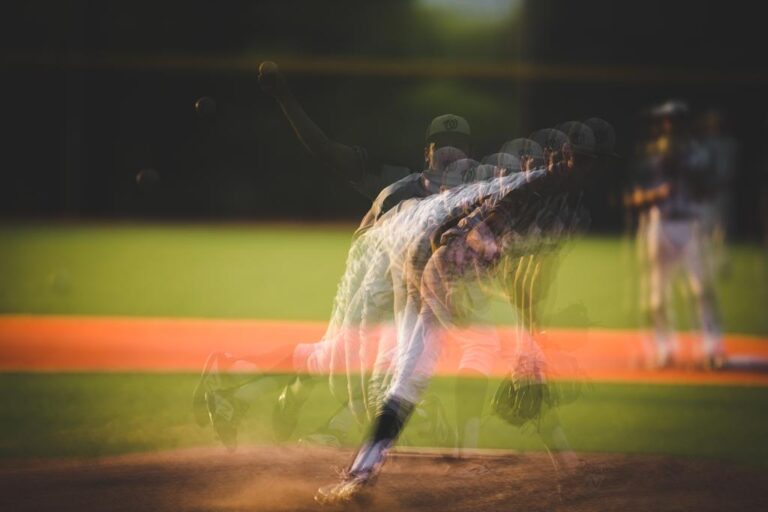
[205,106]
[269,77]
[147,177]
[268,68]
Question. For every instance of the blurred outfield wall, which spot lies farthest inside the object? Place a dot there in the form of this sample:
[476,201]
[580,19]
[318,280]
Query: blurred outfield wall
[100,91]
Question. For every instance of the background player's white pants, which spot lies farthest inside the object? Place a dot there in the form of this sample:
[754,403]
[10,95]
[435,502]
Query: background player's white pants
[675,246]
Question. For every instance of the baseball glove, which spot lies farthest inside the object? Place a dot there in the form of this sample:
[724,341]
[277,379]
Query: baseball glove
[519,400]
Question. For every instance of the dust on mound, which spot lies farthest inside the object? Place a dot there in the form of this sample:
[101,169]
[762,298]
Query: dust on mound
[286,478]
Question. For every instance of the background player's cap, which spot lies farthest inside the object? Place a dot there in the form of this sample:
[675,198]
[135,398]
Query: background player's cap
[447,124]
[671,108]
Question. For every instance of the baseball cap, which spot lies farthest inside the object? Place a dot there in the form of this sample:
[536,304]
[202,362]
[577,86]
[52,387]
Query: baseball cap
[581,137]
[551,138]
[605,136]
[447,123]
[671,108]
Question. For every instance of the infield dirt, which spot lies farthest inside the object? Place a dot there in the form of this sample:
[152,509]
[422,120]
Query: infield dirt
[274,478]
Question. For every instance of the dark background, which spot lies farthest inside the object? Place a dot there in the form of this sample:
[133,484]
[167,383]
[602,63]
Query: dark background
[96,91]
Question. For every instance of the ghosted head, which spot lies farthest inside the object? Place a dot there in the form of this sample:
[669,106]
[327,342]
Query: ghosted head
[440,157]
[447,140]
[527,153]
[458,172]
[605,136]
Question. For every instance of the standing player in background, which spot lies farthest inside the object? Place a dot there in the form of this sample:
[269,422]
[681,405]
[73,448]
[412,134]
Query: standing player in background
[677,182]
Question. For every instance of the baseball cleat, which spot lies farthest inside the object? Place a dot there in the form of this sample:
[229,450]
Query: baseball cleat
[714,362]
[210,379]
[430,419]
[665,358]
[285,414]
[356,482]
[353,487]
[224,413]
[324,437]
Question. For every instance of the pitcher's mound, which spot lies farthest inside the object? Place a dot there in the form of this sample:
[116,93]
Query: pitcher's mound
[286,478]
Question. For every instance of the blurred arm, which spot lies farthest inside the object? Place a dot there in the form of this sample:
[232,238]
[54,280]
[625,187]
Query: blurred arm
[342,159]
[639,197]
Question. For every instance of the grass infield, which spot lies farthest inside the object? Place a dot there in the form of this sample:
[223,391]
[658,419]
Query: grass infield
[98,414]
[290,273]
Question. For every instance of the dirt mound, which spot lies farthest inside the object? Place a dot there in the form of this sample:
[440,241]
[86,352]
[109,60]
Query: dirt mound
[286,478]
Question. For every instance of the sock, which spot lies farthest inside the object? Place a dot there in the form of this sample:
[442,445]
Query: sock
[387,427]
[391,419]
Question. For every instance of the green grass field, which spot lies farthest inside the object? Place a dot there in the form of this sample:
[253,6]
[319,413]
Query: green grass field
[105,414]
[290,272]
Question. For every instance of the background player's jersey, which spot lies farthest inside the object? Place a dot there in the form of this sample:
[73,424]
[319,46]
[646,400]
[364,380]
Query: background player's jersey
[683,166]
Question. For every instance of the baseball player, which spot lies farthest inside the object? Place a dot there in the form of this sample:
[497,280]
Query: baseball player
[677,182]
[512,221]
[447,140]
[374,298]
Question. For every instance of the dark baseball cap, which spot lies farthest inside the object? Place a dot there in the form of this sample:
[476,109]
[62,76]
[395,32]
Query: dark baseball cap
[447,124]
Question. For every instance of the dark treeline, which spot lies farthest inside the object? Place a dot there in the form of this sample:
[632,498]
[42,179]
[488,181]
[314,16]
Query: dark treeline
[95,92]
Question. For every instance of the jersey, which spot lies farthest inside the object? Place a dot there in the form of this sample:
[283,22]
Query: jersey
[387,185]
[683,166]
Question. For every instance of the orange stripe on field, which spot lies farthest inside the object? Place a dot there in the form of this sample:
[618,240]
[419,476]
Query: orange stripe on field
[130,343]
[72,343]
